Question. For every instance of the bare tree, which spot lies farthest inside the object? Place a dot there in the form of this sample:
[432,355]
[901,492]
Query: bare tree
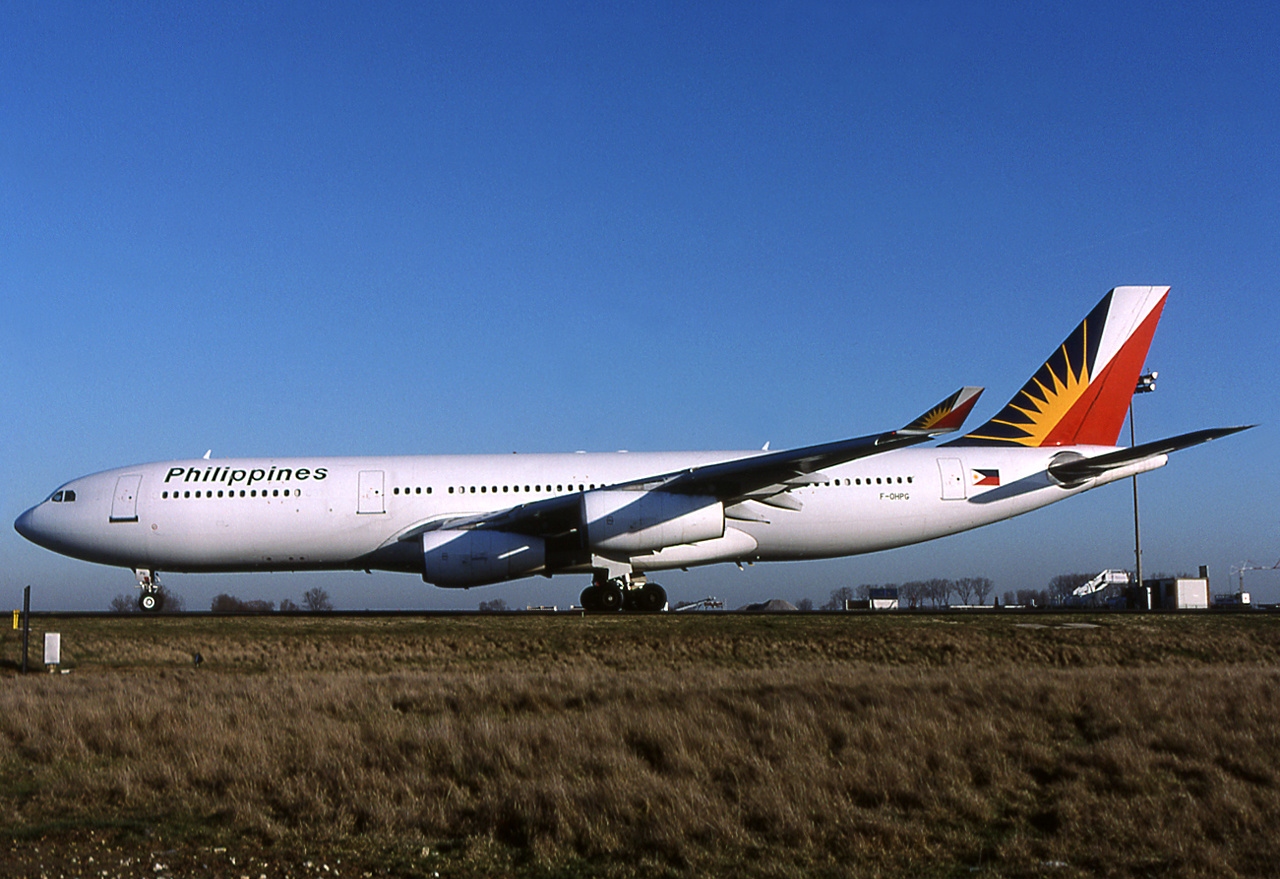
[1061,586]
[838,598]
[123,604]
[172,603]
[496,605]
[939,591]
[1010,598]
[914,592]
[981,588]
[804,604]
[316,599]
[224,603]
[287,605]
[964,589]
[1033,597]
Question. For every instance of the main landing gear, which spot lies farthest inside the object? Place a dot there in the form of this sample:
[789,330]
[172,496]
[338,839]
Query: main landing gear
[152,598]
[632,594]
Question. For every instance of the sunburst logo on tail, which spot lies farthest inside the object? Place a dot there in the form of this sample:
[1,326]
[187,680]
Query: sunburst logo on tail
[1044,401]
[1049,395]
[1081,393]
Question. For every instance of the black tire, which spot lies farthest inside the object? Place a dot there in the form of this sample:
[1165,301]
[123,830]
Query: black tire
[610,598]
[652,599]
[150,602]
[590,598]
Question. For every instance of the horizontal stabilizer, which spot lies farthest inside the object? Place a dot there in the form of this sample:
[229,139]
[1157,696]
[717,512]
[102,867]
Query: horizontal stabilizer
[1081,469]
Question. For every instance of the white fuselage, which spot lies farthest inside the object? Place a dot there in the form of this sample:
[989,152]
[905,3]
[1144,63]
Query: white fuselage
[353,513]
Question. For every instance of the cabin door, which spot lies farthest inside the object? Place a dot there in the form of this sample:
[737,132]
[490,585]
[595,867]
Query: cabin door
[124,506]
[371,493]
[952,473]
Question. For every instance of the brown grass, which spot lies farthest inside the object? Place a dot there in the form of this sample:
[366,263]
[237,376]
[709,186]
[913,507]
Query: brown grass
[766,746]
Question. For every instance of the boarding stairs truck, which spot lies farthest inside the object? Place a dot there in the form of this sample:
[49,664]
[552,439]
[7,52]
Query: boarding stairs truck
[1101,582]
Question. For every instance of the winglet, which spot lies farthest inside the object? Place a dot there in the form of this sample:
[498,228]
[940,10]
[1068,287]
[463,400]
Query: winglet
[947,416]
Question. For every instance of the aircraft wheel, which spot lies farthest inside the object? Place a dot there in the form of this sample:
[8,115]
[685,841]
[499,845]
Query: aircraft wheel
[590,598]
[609,598]
[652,598]
[150,602]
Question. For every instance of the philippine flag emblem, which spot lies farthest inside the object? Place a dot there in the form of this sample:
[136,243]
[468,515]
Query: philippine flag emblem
[986,477]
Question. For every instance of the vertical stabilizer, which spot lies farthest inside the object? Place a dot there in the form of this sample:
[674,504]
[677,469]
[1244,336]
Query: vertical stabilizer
[1081,393]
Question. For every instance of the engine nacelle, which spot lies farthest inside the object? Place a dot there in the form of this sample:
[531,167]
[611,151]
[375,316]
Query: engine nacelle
[642,521]
[473,558]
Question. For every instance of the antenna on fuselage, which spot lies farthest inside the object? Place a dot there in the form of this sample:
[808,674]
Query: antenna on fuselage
[207,454]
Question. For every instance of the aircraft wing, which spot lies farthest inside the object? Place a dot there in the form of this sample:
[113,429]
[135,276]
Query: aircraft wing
[742,478]
[1086,468]
[758,476]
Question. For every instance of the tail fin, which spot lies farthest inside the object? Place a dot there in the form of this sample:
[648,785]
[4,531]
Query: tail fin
[1081,394]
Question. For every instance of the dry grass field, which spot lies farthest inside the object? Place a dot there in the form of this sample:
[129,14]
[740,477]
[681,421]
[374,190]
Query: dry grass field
[681,745]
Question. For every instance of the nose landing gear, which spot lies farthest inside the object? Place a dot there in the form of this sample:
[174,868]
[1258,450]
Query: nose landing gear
[152,598]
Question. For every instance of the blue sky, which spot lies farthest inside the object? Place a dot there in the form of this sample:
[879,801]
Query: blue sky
[354,229]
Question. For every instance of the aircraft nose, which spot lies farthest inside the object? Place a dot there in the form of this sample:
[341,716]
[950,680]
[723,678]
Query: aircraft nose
[26,526]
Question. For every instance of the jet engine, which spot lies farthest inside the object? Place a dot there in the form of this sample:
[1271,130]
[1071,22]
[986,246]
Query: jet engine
[633,522]
[458,559]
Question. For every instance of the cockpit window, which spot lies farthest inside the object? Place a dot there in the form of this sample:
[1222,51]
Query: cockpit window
[57,497]
[68,495]
[63,494]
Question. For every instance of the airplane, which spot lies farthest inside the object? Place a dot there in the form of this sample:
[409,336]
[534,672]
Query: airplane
[460,521]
